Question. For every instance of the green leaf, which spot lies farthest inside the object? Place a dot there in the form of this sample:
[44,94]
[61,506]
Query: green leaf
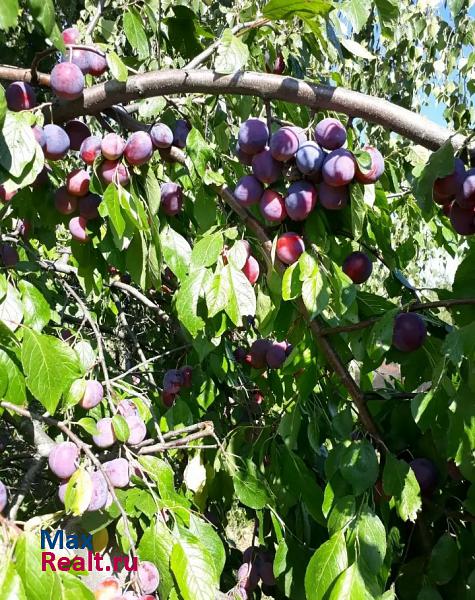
[444,560]
[135,34]
[399,481]
[350,585]
[358,12]
[50,366]
[241,297]
[89,425]
[199,151]
[325,566]
[86,355]
[358,210]
[10,582]
[206,252]
[342,514]
[211,540]
[357,49]
[38,584]
[8,14]
[381,336]
[176,252]
[17,144]
[440,163]
[291,282]
[156,546]
[359,466]
[286,9]
[43,11]
[11,309]
[456,6]
[315,294]
[110,207]
[136,259]
[121,429]
[117,68]
[16,389]
[152,190]
[249,487]
[237,255]
[73,587]
[35,307]
[371,536]
[388,10]
[186,300]
[232,54]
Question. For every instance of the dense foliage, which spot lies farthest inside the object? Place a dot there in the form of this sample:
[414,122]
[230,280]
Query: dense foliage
[217,352]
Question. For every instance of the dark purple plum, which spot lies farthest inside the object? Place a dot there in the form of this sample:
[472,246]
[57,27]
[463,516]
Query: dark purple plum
[137,430]
[43,177]
[181,129]
[258,353]
[70,35]
[97,64]
[266,571]
[77,132]
[79,58]
[330,134]
[240,354]
[77,182]
[105,436]
[65,202]
[112,146]
[3,496]
[93,394]
[67,81]
[248,190]
[77,228]
[243,157]
[8,256]
[375,171]
[426,474]
[465,194]
[162,136]
[409,332]
[309,158]
[283,144]
[253,136]
[248,576]
[99,491]
[265,167]
[63,459]
[276,355]
[20,96]
[88,206]
[358,267]
[39,134]
[289,247]
[139,148]
[300,200]
[57,142]
[171,198]
[173,381]
[333,198]
[90,149]
[272,206]
[113,171]
[118,472]
[148,576]
[462,219]
[338,167]
[279,65]
[251,269]
[446,188]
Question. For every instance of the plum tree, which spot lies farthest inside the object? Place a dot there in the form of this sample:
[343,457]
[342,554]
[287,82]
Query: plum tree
[358,267]
[88,206]
[333,198]
[181,129]
[409,332]
[253,136]
[63,459]
[39,134]
[77,228]
[64,202]
[446,188]
[67,81]
[77,132]
[376,169]
[113,171]
[265,168]
[289,247]
[248,190]
[272,206]
[105,436]
[70,35]
[139,148]
[20,96]
[251,269]
[3,496]
[426,474]
[276,355]
[283,144]
[171,198]
[57,142]
[118,472]
[90,149]
[330,133]
[300,200]
[93,394]
[99,491]
[8,256]
[258,352]
[148,576]
[112,146]
[462,219]
[309,158]
[137,430]
[161,135]
[465,194]
[338,167]
[77,182]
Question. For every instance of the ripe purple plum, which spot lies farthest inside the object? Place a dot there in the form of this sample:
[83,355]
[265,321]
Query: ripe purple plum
[279,65]
[20,96]
[272,206]
[358,267]
[462,219]
[79,58]
[148,576]
[243,157]
[112,146]
[168,398]
[90,149]
[118,472]
[105,436]
[465,195]
[39,134]
[240,354]
[6,196]
[8,256]
[62,489]
[299,132]
[139,148]
[409,332]
[289,247]
[248,576]
[266,571]
[446,188]
[57,142]
[137,430]
[426,474]
[283,144]
[99,491]
[181,129]
[171,198]
[93,394]
[77,182]
[309,158]
[70,35]
[253,135]
[127,408]
[67,81]
[88,206]
[172,381]
[300,200]
[97,64]
[65,202]
[333,198]
[251,270]
[248,190]
[77,132]
[113,171]
[276,355]
[162,136]
[3,496]
[265,167]
[258,352]
[376,169]
[77,228]
[338,167]
[63,458]
[330,133]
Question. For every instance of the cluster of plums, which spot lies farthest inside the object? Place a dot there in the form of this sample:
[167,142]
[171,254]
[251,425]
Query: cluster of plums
[455,193]
[264,354]
[323,170]
[148,577]
[257,566]
[173,381]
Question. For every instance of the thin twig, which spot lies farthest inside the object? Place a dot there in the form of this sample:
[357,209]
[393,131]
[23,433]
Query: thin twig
[148,361]
[97,15]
